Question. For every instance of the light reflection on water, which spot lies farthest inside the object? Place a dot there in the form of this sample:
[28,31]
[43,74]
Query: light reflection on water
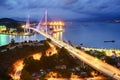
[90,34]
[5,39]
[93,34]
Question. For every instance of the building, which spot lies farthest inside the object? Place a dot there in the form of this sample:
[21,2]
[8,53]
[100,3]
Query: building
[3,28]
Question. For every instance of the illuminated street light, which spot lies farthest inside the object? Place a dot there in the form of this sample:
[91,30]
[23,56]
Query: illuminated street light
[23,26]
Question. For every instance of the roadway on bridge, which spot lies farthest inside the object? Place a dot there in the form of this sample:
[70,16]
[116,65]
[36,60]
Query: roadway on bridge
[83,56]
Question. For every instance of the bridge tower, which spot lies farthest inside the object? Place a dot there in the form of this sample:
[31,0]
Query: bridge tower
[54,28]
[26,29]
[46,21]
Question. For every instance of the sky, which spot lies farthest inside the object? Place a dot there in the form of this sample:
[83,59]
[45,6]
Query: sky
[61,9]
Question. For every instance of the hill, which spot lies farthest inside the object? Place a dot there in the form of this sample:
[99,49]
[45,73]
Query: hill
[7,20]
[10,23]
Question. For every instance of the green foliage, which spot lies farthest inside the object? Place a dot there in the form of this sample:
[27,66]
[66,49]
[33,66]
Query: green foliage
[65,73]
[4,77]
[19,53]
[46,44]
[50,62]
[67,58]
[12,41]
[25,75]
[110,61]
[31,65]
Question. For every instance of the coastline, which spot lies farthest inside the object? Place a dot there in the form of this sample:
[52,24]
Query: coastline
[18,34]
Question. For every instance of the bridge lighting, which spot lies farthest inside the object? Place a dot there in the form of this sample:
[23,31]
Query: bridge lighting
[53,23]
[23,26]
[44,24]
[56,23]
[61,23]
[96,58]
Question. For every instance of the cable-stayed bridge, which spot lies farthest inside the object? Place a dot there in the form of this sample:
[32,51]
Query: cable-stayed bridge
[81,55]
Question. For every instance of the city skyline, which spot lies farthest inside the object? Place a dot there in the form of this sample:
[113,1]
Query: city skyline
[61,9]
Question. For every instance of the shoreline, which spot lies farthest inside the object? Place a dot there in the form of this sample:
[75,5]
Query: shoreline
[18,34]
[109,51]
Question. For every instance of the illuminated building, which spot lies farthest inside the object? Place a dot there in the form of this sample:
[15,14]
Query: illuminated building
[12,29]
[2,28]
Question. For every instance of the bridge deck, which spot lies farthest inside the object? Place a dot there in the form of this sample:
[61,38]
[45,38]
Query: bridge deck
[90,60]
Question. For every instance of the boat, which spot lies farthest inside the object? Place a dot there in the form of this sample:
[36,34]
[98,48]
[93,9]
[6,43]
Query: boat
[109,41]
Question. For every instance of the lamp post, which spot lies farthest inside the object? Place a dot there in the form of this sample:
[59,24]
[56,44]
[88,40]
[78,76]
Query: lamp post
[23,26]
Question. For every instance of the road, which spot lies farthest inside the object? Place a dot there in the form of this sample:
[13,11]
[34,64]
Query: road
[83,56]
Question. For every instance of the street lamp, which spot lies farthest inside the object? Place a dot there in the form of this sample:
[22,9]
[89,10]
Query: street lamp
[23,26]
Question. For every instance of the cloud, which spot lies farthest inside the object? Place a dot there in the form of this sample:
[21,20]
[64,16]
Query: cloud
[70,2]
[74,9]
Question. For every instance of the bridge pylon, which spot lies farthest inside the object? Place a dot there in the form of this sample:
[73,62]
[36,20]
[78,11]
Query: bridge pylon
[54,28]
[26,29]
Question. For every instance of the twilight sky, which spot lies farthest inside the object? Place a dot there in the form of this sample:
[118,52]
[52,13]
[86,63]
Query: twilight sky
[61,9]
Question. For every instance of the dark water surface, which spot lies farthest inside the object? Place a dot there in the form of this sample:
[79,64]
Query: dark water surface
[92,34]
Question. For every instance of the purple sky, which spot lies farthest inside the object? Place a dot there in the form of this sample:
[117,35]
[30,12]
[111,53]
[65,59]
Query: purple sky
[61,9]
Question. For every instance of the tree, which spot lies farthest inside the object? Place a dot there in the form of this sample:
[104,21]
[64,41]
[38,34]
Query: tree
[25,75]
[12,41]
